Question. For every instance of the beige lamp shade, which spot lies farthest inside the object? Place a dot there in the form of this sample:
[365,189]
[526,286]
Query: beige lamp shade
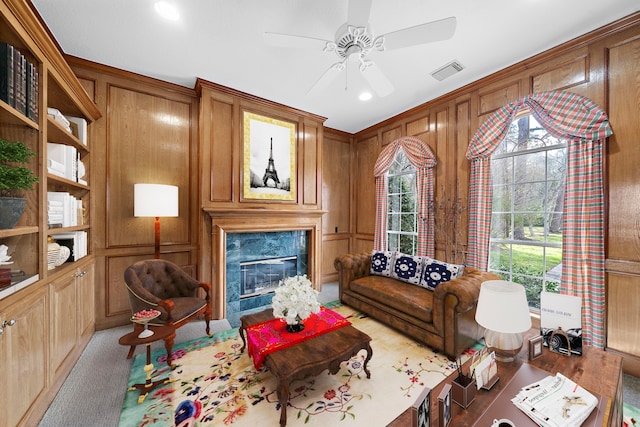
[155,200]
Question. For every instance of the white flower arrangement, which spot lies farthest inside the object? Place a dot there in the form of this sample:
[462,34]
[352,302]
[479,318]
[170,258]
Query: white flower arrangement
[295,299]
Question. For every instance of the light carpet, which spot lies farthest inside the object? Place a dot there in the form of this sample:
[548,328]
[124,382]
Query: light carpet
[214,384]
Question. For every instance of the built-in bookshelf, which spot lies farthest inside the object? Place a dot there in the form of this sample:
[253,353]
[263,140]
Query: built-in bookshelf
[47,312]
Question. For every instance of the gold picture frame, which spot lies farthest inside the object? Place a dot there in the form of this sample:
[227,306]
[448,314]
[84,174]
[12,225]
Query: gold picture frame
[269,158]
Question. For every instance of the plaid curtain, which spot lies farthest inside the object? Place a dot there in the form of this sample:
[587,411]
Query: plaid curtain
[420,156]
[585,126]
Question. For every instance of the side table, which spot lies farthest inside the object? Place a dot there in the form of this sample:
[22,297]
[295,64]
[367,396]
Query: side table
[166,333]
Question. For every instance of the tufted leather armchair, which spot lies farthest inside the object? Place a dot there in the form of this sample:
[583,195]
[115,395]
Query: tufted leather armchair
[161,285]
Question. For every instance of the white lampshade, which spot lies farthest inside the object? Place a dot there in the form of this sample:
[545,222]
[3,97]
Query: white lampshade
[504,312]
[502,307]
[155,200]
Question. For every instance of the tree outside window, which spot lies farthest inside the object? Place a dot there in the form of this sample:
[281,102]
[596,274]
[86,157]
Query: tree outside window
[528,172]
[402,215]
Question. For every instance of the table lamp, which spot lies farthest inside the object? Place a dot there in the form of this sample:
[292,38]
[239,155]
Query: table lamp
[155,200]
[504,312]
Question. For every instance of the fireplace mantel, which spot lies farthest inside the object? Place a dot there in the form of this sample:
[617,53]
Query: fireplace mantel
[226,221]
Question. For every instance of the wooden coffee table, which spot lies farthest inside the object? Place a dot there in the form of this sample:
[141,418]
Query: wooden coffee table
[310,357]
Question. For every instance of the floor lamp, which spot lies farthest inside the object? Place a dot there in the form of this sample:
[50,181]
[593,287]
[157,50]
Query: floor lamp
[155,200]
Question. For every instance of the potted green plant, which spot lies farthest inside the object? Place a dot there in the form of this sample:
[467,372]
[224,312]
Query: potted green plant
[14,179]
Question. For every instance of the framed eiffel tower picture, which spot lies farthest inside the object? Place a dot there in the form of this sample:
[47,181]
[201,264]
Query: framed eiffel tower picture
[269,158]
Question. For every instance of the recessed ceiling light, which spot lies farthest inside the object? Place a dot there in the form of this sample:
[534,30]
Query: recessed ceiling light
[167,10]
[365,96]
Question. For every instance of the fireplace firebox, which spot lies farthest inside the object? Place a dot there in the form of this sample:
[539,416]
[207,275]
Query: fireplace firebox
[262,276]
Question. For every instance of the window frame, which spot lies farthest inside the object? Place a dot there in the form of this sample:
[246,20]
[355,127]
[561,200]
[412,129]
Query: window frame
[547,282]
[395,236]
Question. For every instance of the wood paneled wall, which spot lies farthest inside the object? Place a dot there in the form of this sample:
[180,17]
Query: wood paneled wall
[603,65]
[337,188]
[148,133]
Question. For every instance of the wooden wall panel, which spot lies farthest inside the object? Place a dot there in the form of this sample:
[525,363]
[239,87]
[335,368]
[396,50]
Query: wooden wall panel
[336,199]
[332,248]
[310,162]
[391,135]
[418,126]
[494,99]
[623,321]
[335,185]
[463,136]
[222,159]
[367,152]
[149,141]
[624,152]
[562,77]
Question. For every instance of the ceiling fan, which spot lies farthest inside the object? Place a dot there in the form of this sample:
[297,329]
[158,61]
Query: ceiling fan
[354,41]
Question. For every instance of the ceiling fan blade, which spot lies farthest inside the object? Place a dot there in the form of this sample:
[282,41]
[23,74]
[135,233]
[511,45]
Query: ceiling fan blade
[327,77]
[358,12]
[294,41]
[434,31]
[378,81]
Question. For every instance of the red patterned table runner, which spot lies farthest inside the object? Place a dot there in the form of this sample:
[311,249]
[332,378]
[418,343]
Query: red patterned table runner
[270,336]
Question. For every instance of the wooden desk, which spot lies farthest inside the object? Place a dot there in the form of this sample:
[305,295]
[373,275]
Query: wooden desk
[596,370]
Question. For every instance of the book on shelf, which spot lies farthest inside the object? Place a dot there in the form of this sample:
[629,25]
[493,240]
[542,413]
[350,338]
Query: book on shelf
[63,210]
[59,118]
[18,81]
[62,160]
[7,91]
[81,126]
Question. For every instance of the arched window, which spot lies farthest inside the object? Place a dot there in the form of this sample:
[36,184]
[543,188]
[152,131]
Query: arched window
[418,154]
[528,171]
[585,126]
[402,206]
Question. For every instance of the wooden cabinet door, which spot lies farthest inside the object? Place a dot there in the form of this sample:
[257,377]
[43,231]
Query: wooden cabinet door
[23,356]
[64,319]
[86,299]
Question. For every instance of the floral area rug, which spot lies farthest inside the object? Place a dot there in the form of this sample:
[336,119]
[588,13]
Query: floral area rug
[631,415]
[213,384]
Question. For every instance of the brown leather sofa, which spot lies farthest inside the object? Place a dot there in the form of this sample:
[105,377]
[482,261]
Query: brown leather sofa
[443,319]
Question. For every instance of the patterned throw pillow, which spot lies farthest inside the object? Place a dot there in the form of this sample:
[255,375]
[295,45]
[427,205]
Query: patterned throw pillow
[381,263]
[407,268]
[436,272]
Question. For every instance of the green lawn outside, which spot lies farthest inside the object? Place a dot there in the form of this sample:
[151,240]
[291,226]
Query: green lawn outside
[528,262]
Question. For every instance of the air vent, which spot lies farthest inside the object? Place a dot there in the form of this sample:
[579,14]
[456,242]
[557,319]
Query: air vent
[447,70]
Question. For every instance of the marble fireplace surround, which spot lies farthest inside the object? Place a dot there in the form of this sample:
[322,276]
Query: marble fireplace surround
[229,221]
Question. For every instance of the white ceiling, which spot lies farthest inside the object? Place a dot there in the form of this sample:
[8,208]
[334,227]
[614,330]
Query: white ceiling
[222,41]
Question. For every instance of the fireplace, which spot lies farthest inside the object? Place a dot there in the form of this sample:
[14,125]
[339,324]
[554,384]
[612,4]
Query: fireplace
[245,235]
[256,262]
